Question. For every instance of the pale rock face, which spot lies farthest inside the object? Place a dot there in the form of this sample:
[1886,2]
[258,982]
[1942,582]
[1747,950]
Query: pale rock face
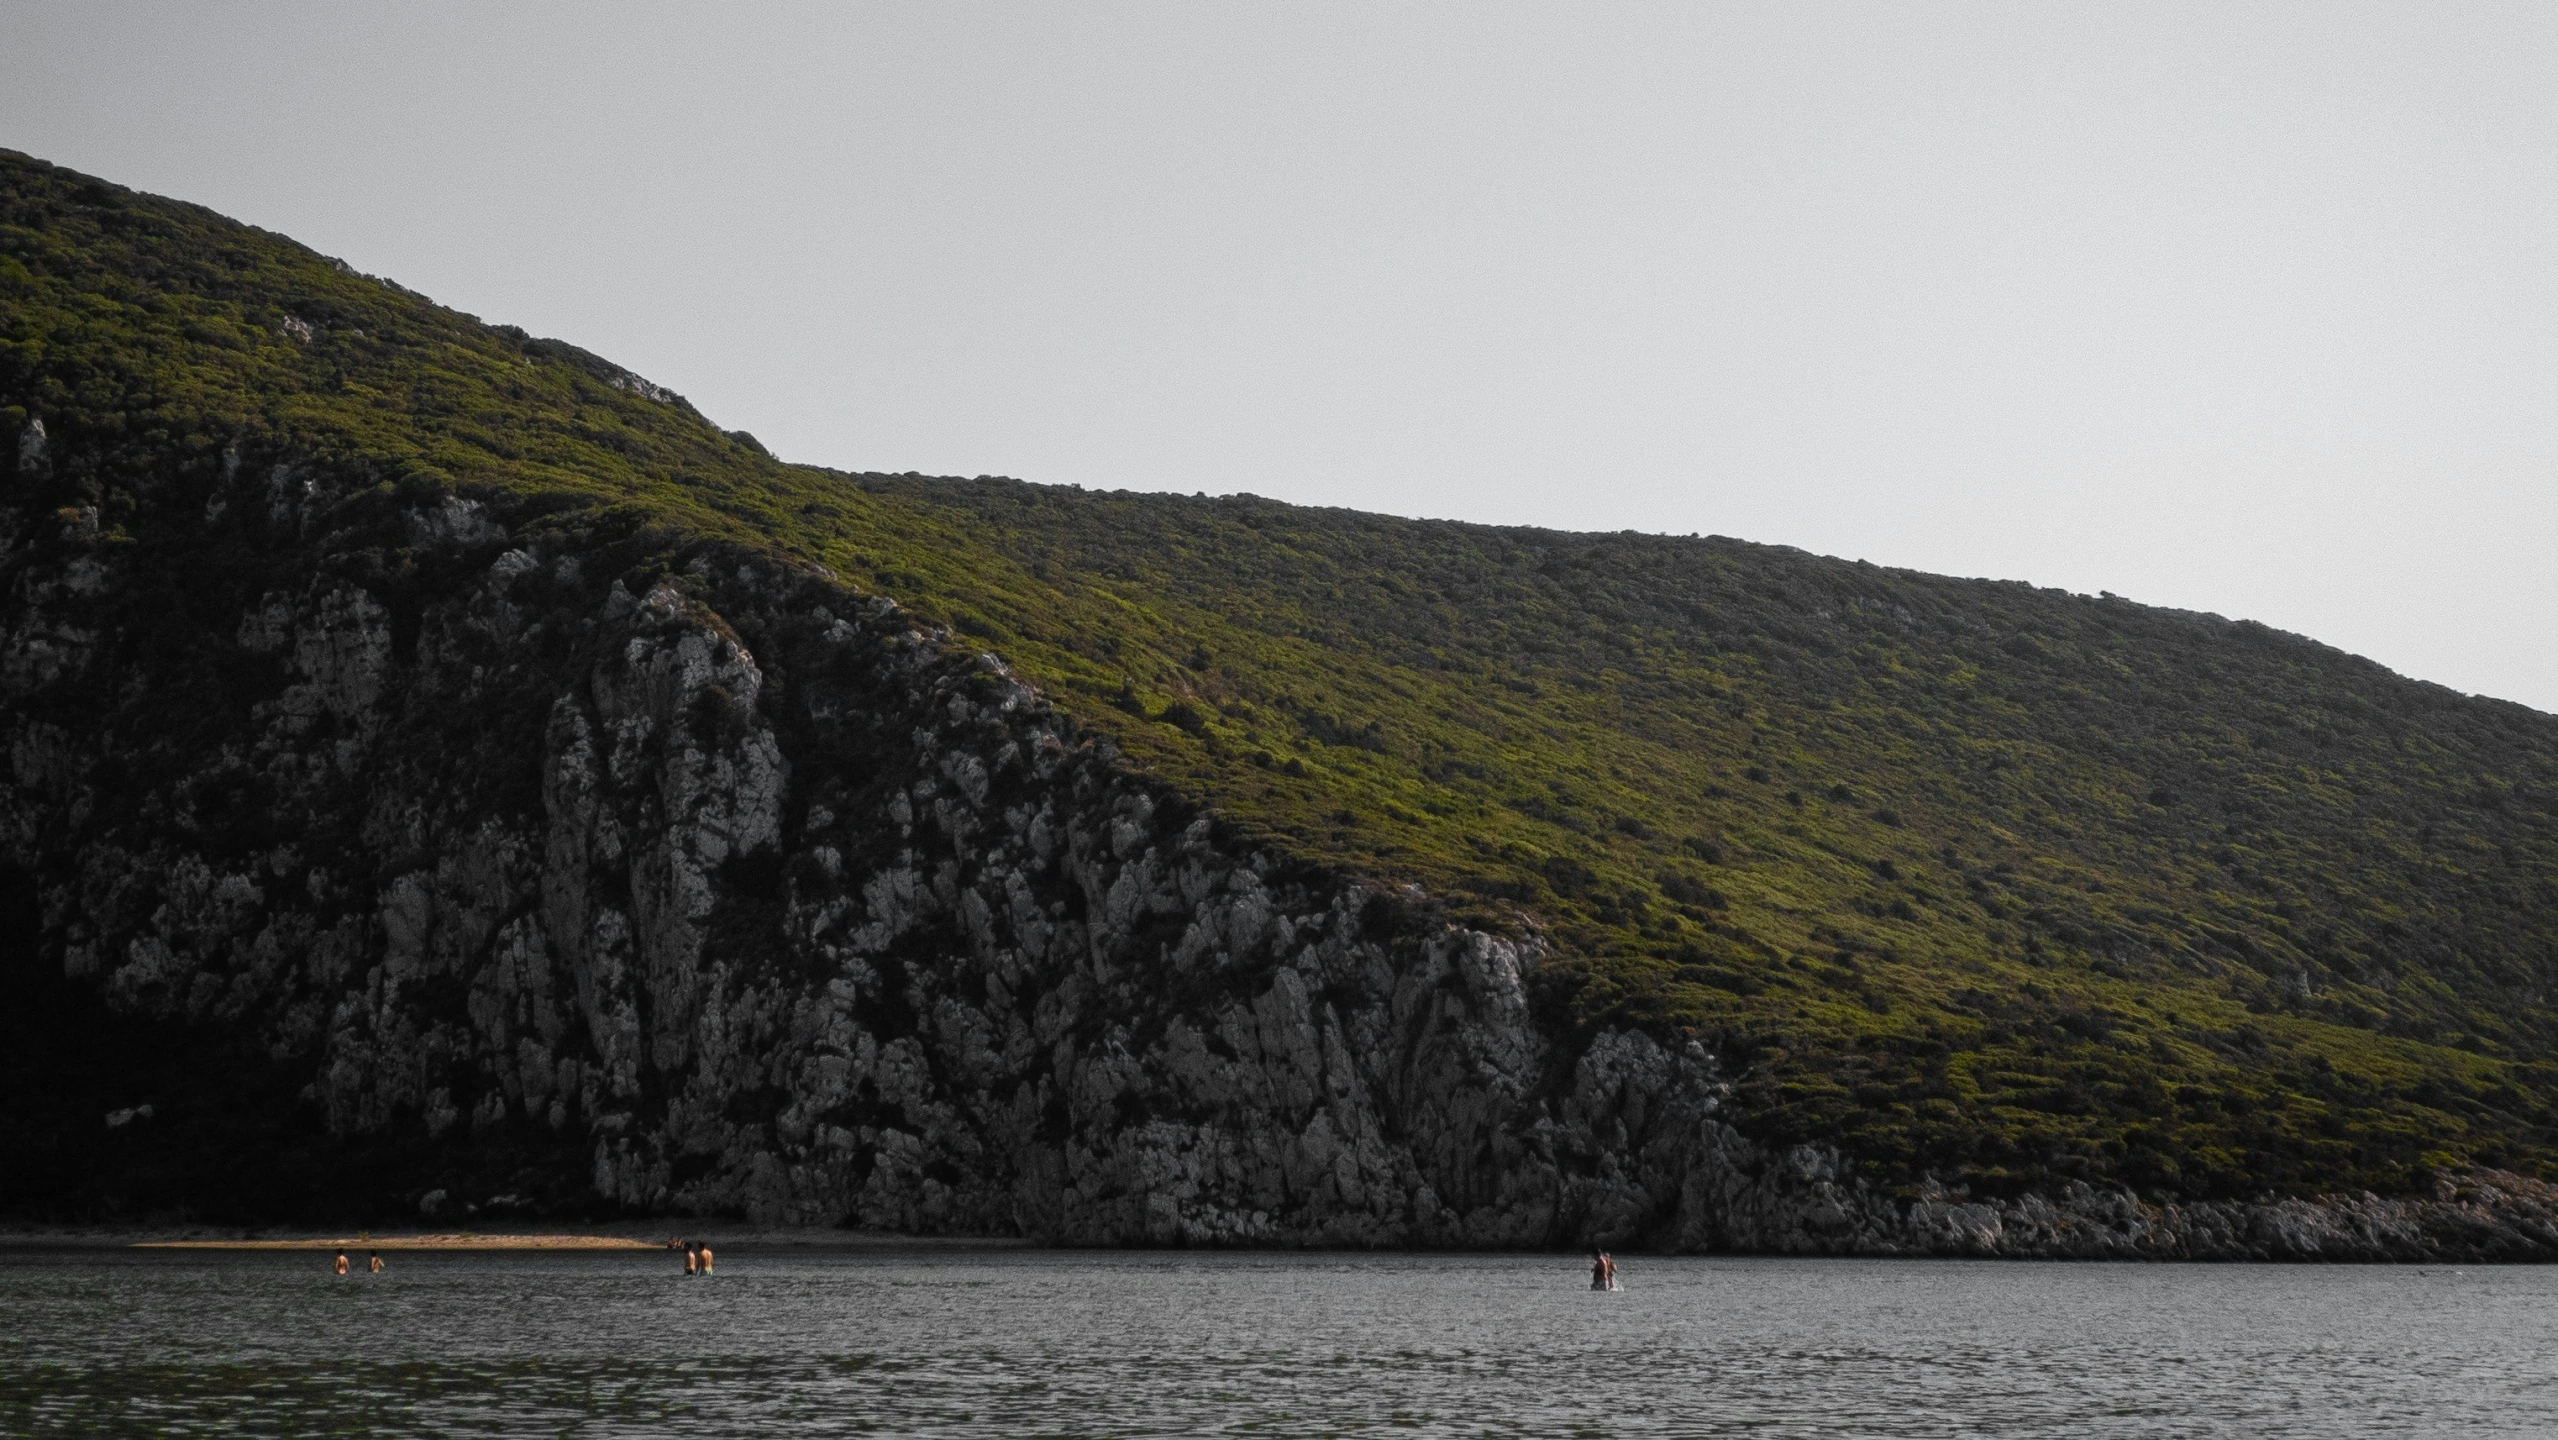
[455,521]
[35,451]
[746,896]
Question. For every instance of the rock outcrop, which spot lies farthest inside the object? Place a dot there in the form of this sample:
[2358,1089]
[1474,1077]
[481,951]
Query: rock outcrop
[735,891]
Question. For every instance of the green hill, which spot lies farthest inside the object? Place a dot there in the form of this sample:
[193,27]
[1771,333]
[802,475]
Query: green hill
[2001,883]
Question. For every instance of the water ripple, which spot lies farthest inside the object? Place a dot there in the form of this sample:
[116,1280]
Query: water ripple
[800,1342]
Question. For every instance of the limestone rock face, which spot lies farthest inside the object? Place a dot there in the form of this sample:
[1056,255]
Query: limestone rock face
[732,890]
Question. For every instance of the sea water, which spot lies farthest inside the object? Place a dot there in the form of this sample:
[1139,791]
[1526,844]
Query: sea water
[800,1341]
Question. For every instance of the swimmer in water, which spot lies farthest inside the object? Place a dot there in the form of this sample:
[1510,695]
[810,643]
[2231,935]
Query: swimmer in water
[373,1261]
[706,1259]
[341,1262]
[692,1261]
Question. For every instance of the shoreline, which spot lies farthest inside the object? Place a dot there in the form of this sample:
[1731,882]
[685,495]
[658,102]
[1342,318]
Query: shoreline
[612,1238]
[749,1241]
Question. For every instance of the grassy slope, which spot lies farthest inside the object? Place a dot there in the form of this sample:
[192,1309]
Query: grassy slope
[2003,882]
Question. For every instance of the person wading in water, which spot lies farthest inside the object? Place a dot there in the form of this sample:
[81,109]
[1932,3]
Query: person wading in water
[706,1259]
[691,1261]
[341,1262]
[373,1261]
[1603,1270]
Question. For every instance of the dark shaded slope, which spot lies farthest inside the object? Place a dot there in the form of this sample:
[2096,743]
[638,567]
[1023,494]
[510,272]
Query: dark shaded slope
[2006,884]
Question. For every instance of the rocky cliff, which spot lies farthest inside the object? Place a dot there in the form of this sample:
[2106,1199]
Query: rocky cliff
[699,882]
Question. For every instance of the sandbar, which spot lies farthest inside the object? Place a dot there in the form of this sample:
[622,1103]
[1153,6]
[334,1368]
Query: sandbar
[462,1240]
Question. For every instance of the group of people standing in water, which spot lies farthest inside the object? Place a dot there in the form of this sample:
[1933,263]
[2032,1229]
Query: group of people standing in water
[372,1262]
[1603,1270]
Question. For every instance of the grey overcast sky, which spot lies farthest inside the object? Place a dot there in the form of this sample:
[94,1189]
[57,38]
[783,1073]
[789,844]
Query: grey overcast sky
[2251,309]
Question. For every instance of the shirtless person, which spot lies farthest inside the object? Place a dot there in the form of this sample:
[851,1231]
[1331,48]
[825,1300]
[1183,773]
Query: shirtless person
[373,1261]
[341,1263]
[706,1259]
[691,1259]
[1598,1270]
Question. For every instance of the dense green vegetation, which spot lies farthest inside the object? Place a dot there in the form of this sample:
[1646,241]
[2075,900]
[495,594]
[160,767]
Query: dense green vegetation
[2003,883]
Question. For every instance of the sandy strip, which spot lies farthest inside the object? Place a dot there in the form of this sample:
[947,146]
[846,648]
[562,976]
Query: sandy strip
[417,1242]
